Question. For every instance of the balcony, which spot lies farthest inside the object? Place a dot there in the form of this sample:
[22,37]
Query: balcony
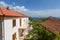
[24,26]
[21,34]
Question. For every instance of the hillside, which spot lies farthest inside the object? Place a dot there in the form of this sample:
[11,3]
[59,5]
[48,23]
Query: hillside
[51,23]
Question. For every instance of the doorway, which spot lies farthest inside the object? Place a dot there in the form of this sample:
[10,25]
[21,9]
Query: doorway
[14,36]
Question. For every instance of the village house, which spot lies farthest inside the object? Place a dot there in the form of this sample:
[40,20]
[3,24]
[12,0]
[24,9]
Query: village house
[13,25]
[52,24]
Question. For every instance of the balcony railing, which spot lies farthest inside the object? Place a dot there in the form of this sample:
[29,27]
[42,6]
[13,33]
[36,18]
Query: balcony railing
[23,26]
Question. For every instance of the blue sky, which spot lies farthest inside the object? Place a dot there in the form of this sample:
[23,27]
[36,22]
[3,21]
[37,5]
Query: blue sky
[36,4]
[37,8]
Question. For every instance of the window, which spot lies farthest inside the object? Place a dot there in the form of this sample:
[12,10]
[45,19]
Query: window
[14,36]
[20,22]
[14,23]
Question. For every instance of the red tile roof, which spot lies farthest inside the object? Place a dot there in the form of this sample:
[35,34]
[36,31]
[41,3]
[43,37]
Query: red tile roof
[8,12]
[52,25]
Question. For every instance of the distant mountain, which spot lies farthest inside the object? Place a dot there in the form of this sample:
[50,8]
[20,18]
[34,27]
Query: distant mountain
[45,17]
[35,17]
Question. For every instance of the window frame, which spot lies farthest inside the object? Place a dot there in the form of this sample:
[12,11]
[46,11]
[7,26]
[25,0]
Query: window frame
[14,22]
[20,21]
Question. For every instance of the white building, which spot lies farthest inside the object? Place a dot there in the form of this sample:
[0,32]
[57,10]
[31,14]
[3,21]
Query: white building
[13,25]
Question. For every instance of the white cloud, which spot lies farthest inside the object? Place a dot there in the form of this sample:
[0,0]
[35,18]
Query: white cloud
[21,8]
[2,4]
[45,13]
[33,13]
[16,8]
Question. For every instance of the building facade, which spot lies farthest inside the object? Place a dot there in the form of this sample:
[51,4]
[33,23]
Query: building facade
[13,25]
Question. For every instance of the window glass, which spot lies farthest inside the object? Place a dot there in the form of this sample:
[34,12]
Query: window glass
[14,23]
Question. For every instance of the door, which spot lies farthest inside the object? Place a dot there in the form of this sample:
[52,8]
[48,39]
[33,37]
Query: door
[14,36]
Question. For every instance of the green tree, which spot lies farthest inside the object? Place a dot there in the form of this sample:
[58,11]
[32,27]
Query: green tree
[39,32]
[57,37]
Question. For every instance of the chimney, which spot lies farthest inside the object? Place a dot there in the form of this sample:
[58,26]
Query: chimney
[7,8]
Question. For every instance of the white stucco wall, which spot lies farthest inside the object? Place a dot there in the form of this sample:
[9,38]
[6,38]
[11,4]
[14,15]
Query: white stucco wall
[25,21]
[25,24]
[9,29]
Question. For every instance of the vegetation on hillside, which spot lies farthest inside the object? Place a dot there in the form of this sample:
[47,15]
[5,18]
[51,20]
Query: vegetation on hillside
[40,33]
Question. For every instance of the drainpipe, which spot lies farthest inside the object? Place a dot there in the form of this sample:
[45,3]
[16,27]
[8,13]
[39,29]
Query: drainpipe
[3,32]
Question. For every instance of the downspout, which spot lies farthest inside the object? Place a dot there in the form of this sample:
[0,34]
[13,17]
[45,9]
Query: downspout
[2,18]
[3,32]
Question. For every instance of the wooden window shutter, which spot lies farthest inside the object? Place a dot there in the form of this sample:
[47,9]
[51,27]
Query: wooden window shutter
[20,22]
[14,22]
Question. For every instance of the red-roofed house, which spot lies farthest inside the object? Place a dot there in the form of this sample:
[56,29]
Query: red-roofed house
[13,25]
[52,24]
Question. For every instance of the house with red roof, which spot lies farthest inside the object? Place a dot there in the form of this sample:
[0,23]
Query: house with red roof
[52,24]
[13,25]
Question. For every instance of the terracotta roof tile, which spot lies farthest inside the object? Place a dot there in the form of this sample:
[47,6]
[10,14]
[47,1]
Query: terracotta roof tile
[9,12]
[1,13]
[52,24]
